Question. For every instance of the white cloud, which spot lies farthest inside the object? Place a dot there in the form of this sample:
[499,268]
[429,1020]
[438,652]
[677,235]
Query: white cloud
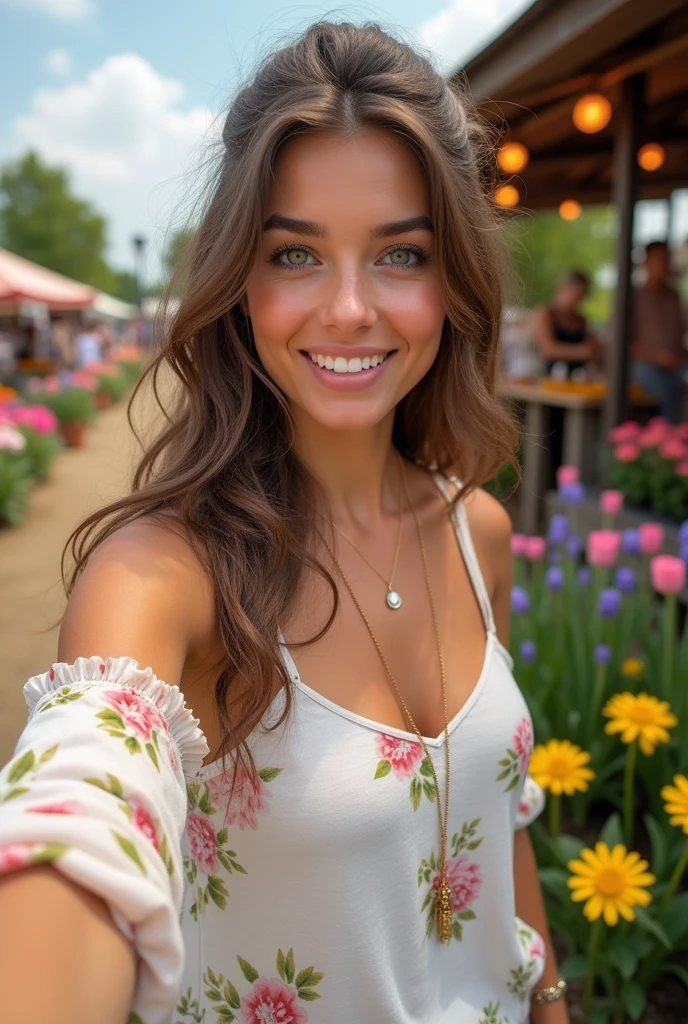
[59,63]
[127,140]
[68,10]
[460,28]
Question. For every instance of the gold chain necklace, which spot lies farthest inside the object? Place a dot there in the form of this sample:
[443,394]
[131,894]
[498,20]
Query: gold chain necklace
[393,597]
[444,897]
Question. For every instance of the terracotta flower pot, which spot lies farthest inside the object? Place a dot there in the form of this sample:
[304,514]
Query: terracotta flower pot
[103,399]
[74,434]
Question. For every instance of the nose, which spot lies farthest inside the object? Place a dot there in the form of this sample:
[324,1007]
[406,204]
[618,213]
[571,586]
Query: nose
[347,307]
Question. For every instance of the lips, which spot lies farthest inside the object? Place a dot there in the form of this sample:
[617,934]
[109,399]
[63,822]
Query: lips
[354,364]
[351,373]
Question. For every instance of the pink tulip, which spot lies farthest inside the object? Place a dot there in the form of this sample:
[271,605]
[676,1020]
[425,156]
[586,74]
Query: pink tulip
[628,431]
[651,537]
[611,502]
[567,475]
[603,547]
[518,544]
[668,574]
[682,468]
[626,452]
[535,548]
[672,449]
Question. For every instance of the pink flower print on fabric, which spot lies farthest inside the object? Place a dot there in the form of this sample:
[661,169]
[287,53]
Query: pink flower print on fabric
[16,855]
[144,821]
[523,744]
[464,879]
[138,714]
[202,842]
[404,755]
[58,807]
[249,798]
[537,948]
[270,1001]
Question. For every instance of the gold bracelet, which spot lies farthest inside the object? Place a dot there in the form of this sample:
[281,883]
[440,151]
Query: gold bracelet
[550,995]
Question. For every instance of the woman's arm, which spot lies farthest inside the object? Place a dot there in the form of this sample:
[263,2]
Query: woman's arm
[554,350]
[60,946]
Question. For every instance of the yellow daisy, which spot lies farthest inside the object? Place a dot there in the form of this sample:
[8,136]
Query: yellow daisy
[559,766]
[676,797]
[632,668]
[611,882]
[640,717]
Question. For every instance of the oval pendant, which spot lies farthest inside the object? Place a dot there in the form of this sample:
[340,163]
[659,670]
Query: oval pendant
[393,600]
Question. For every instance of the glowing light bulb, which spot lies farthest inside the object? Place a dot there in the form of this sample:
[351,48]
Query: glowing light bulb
[592,113]
[651,156]
[570,209]
[507,195]
[513,157]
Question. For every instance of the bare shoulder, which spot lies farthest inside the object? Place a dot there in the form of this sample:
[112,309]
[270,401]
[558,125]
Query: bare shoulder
[491,530]
[145,593]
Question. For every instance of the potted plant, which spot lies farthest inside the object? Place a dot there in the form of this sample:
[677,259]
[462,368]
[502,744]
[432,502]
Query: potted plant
[15,478]
[75,408]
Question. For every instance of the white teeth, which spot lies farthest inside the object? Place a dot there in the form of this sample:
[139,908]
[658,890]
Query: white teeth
[342,365]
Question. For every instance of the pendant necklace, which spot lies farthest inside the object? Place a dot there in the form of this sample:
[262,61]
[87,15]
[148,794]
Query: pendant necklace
[444,897]
[392,597]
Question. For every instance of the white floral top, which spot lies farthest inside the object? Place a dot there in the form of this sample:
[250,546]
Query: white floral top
[307,896]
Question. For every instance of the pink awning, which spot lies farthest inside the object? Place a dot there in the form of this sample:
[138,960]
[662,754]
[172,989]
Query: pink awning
[23,281]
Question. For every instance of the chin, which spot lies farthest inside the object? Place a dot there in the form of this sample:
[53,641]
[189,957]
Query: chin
[349,416]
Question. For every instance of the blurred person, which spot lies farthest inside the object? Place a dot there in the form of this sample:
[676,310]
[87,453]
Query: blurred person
[659,326]
[61,338]
[313,566]
[88,346]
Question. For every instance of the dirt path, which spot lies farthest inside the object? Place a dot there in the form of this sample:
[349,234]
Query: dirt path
[31,595]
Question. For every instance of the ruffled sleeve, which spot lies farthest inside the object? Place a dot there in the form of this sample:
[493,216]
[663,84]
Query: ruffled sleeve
[531,803]
[96,787]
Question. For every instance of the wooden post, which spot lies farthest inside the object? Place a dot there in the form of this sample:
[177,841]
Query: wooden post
[629,120]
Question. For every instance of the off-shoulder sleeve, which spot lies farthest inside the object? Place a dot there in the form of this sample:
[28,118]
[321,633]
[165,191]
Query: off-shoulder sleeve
[531,803]
[96,787]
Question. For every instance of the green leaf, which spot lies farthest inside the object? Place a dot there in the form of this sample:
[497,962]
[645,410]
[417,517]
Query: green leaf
[659,845]
[115,785]
[13,793]
[505,762]
[128,847]
[457,931]
[150,750]
[427,900]
[466,915]
[281,964]
[108,715]
[308,995]
[624,958]
[648,923]
[384,767]
[612,833]
[249,972]
[222,836]
[416,793]
[218,891]
[269,774]
[678,971]
[48,754]
[50,852]
[429,790]
[20,767]
[99,783]
[634,999]
[289,967]
[132,745]
[566,848]
[512,785]
[575,967]
[675,920]
[503,775]
[134,1018]
[231,996]
[426,768]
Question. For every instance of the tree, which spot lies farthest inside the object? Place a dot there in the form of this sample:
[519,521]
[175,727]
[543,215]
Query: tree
[543,247]
[175,252]
[125,286]
[41,220]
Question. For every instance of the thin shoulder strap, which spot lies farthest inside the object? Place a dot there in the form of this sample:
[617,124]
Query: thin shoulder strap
[459,517]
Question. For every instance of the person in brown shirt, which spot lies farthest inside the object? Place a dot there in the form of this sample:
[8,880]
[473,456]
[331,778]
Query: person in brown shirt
[658,329]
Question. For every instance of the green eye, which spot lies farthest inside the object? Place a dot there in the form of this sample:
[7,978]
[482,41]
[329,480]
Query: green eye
[401,257]
[297,257]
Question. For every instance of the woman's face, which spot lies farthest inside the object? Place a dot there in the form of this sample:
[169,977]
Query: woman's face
[344,297]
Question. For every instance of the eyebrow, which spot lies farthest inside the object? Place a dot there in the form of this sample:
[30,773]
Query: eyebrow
[278,222]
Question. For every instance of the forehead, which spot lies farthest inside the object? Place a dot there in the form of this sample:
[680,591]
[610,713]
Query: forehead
[370,176]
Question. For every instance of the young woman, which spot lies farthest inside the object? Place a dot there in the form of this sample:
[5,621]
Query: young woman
[299,560]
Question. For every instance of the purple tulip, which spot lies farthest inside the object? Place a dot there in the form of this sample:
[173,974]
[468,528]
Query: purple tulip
[558,529]
[630,542]
[574,546]
[603,654]
[683,549]
[520,602]
[584,576]
[625,579]
[573,493]
[683,530]
[528,651]
[554,578]
[609,603]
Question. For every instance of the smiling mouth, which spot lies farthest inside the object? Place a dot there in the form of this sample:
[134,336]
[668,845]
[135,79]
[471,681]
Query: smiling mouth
[356,364]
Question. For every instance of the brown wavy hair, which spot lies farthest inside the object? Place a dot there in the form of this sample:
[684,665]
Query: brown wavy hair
[223,464]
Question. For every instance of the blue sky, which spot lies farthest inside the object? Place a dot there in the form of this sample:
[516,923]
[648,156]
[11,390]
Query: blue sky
[123,93]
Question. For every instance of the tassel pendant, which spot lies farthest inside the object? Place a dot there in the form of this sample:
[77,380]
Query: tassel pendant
[444,909]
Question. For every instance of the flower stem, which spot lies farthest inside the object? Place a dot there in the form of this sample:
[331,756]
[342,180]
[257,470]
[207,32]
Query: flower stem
[595,933]
[629,793]
[669,644]
[554,816]
[596,702]
[673,882]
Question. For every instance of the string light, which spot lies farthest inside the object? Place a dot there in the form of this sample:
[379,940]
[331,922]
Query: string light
[651,156]
[507,195]
[592,113]
[513,157]
[570,209]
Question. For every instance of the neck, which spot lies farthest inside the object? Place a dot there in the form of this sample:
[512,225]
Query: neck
[357,470]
